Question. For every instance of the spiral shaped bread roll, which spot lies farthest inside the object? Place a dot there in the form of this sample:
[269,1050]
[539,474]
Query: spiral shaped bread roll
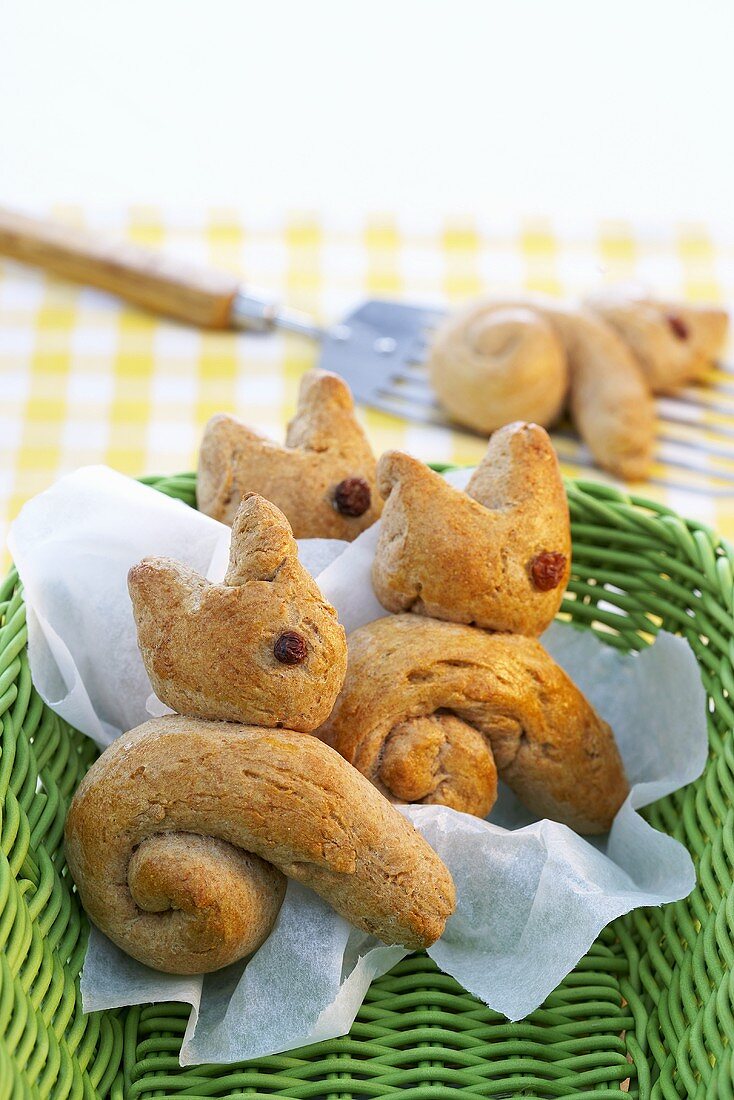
[497,363]
[549,351]
[322,478]
[180,834]
[497,556]
[431,711]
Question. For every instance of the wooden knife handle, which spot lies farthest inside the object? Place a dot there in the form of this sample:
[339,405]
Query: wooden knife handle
[159,283]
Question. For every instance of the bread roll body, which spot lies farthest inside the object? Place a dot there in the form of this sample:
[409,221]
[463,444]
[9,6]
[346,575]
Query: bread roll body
[544,738]
[259,804]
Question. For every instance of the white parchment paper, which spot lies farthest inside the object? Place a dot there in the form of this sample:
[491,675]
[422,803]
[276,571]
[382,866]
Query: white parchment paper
[532,895]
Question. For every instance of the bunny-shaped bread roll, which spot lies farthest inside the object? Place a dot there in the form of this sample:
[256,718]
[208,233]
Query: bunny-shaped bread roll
[672,342]
[431,711]
[497,361]
[263,647]
[322,479]
[497,556]
[180,834]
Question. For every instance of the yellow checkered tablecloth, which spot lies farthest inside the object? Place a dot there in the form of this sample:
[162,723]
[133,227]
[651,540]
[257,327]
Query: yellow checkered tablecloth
[83,379]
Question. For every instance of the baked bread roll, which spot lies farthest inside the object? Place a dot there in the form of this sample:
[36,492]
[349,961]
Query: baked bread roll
[609,399]
[672,342]
[263,647]
[497,556]
[432,711]
[495,363]
[180,834]
[500,361]
[323,479]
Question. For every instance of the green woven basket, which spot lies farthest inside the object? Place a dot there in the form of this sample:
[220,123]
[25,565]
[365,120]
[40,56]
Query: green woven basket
[649,1010]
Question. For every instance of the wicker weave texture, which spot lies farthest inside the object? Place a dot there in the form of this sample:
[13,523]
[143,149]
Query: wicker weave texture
[648,1011]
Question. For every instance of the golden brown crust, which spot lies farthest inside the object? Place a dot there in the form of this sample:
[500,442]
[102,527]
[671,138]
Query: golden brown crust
[180,833]
[673,342]
[472,556]
[210,649]
[548,743]
[325,446]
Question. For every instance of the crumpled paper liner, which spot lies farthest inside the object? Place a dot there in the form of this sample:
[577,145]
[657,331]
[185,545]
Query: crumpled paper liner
[532,895]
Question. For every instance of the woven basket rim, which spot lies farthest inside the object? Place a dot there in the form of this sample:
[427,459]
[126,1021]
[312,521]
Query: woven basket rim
[649,1006]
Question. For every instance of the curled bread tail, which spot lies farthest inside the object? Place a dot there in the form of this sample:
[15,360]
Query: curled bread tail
[180,835]
[433,712]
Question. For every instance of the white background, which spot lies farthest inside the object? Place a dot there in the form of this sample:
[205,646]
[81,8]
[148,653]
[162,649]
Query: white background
[566,108]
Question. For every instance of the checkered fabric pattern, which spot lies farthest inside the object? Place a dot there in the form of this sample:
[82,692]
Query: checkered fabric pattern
[84,379]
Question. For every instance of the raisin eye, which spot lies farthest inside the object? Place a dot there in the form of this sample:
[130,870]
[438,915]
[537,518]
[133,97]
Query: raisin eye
[547,570]
[352,497]
[290,648]
[678,326]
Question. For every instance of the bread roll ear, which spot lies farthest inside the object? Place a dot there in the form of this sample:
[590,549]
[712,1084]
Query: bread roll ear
[432,711]
[325,420]
[179,836]
[673,342]
[322,479]
[263,647]
[497,556]
[262,543]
